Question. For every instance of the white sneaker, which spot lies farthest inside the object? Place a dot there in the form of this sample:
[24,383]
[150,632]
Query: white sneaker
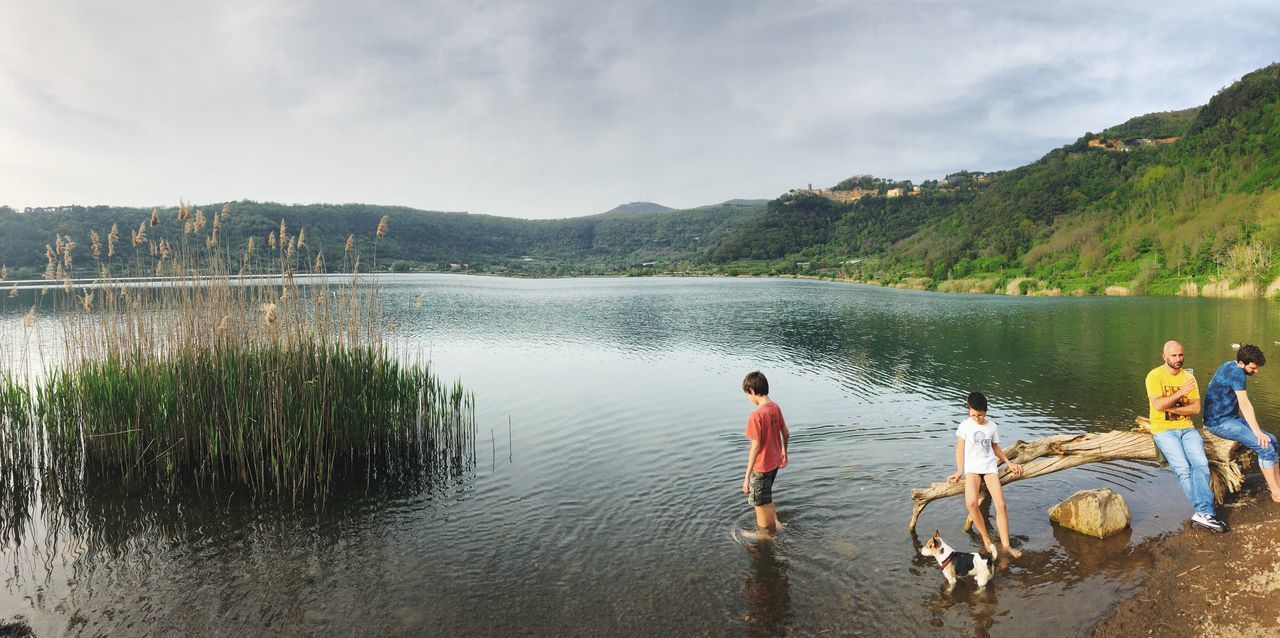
[1210,523]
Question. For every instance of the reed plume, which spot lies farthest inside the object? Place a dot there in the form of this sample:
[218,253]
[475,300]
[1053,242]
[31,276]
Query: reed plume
[51,260]
[270,313]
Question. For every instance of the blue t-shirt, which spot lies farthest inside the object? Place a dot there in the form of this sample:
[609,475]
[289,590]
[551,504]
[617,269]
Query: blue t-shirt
[1220,402]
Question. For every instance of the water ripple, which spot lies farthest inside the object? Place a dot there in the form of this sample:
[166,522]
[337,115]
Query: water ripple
[610,454]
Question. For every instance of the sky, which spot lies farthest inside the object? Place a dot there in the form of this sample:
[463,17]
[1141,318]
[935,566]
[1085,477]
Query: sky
[550,108]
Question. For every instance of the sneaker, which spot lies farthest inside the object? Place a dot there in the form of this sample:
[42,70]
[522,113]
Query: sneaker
[1208,522]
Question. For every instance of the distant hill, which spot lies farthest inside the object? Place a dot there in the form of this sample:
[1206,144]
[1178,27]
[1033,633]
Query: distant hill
[809,225]
[1152,214]
[419,239]
[638,208]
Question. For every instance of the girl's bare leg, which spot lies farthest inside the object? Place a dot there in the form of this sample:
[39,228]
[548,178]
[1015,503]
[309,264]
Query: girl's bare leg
[972,486]
[1002,515]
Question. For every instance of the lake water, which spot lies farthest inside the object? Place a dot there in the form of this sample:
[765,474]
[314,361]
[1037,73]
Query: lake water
[606,497]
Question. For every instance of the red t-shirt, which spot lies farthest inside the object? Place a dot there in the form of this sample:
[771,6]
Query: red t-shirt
[765,425]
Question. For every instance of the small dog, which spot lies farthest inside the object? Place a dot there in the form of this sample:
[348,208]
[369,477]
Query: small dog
[958,564]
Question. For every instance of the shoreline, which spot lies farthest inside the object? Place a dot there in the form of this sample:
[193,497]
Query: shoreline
[840,280]
[1243,293]
[1209,291]
[956,286]
[1200,583]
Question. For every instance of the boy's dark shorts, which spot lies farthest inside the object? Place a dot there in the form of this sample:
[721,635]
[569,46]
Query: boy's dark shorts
[761,488]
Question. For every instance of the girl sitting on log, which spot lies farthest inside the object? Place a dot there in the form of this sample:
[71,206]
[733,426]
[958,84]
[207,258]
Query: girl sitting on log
[978,456]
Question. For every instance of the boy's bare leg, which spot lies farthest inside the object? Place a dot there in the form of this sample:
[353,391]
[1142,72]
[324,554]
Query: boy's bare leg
[767,517]
[1002,515]
[972,485]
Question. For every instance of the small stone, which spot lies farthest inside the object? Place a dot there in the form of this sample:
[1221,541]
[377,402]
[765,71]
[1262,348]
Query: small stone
[1098,512]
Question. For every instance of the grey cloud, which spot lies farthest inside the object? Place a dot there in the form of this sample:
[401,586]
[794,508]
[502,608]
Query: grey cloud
[559,108]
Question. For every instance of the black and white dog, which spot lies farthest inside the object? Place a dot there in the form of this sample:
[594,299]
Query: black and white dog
[955,564]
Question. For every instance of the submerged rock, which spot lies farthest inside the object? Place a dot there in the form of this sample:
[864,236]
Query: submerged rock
[1098,512]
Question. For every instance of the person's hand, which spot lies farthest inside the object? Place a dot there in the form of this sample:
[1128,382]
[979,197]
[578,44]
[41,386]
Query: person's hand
[1188,386]
[1264,441]
[954,477]
[746,486]
[1015,468]
[784,459]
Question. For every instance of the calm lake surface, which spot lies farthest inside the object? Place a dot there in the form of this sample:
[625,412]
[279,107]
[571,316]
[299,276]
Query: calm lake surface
[610,454]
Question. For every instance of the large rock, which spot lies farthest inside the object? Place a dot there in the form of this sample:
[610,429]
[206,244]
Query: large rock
[1098,512]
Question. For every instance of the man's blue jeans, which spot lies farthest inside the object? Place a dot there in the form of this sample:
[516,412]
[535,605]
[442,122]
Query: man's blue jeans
[1238,430]
[1184,450]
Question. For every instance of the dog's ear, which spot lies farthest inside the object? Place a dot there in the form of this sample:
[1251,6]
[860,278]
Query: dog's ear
[937,534]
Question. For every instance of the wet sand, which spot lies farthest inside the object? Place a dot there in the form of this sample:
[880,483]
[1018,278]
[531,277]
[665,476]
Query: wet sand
[1199,583]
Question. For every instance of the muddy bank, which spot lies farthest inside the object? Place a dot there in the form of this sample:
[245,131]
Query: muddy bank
[1199,583]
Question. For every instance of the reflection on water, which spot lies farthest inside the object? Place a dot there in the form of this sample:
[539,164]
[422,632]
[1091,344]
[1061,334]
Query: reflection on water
[104,560]
[604,509]
[767,590]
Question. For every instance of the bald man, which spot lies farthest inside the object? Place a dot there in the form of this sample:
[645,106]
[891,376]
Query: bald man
[1174,396]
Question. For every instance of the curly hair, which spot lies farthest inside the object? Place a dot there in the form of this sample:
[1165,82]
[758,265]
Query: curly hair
[1249,353]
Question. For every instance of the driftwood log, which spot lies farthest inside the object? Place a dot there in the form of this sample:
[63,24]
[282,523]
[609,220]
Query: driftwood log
[1227,461]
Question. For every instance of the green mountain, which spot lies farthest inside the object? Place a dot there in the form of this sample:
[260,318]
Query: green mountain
[418,240]
[1130,209]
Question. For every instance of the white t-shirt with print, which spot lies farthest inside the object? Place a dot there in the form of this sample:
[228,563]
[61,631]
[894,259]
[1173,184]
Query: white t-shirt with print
[979,458]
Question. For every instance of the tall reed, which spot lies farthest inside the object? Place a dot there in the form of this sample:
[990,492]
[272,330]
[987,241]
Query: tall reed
[250,366]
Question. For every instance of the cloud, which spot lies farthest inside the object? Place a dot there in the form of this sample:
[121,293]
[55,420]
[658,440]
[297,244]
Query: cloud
[564,108]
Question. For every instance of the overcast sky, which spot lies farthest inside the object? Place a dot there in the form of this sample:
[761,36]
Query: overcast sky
[555,109]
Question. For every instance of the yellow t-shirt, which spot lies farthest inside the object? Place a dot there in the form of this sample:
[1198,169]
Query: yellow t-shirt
[1162,384]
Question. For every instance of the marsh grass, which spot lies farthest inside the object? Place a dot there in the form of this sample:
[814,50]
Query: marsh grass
[251,367]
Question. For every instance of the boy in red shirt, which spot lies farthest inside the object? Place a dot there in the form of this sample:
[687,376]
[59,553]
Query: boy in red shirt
[768,434]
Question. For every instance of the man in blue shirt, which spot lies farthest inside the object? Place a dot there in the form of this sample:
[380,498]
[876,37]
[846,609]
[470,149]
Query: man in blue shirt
[1228,413]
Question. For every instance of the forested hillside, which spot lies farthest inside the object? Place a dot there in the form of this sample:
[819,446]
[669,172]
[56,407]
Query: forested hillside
[1183,200]
[418,240]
